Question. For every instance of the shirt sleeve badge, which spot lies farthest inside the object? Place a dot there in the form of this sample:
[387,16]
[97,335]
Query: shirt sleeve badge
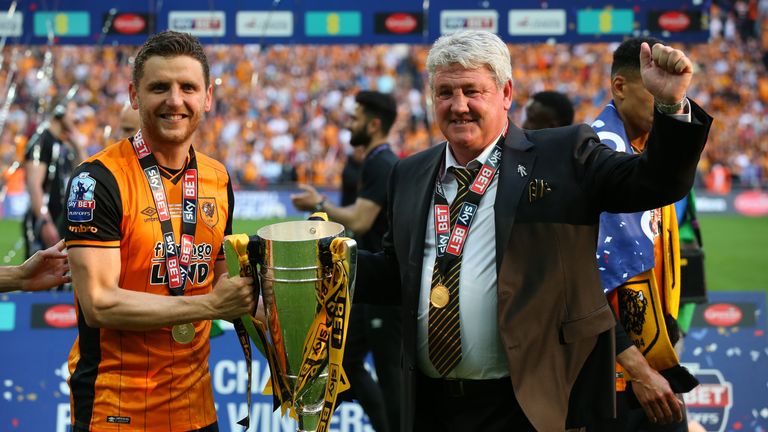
[80,203]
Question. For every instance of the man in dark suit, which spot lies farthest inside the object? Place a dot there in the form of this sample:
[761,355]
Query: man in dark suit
[527,349]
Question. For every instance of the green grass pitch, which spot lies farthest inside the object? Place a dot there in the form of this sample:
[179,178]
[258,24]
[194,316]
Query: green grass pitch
[736,249]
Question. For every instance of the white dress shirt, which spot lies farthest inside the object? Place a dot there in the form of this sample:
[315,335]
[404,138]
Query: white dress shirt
[483,355]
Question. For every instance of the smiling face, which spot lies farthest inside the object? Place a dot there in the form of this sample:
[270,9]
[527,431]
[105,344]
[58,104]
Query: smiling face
[172,98]
[470,108]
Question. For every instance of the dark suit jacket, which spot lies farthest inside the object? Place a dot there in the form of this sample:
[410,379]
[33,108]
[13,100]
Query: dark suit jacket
[553,317]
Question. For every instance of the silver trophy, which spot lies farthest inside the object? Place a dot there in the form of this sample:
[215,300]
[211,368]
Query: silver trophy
[306,272]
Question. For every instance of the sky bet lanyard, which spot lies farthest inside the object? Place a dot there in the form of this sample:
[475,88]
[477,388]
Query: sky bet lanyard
[452,241]
[176,265]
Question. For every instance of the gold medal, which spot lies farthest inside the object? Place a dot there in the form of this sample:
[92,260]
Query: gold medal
[183,333]
[439,296]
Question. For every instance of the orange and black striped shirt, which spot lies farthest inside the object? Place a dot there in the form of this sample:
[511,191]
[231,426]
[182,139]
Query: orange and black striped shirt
[143,380]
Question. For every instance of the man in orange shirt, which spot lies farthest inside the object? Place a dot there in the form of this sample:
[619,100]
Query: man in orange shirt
[146,219]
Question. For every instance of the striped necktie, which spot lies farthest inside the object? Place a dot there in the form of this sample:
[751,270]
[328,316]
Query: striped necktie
[444,331]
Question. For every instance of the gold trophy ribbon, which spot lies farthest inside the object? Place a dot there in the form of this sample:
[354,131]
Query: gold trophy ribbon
[235,252]
[327,336]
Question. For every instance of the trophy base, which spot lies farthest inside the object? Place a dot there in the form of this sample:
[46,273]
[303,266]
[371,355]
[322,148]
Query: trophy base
[309,404]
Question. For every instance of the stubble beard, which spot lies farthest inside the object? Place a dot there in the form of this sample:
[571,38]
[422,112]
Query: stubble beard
[153,129]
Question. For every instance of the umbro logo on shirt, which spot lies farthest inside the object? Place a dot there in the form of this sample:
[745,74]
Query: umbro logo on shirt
[149,211]
[118,419]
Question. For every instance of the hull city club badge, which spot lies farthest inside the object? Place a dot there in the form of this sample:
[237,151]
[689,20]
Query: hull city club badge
[80,203]
[208,211]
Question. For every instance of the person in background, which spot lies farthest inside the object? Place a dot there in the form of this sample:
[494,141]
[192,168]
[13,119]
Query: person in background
[505,324]
[146,219]
[49,160]
[129,121]
[350,176]
[45,269]
[547,109]
[372,328]
[638,259]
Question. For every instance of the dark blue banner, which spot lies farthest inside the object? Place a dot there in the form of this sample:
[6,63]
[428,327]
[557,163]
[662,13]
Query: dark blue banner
[351,21]
[727,349]
[37,331]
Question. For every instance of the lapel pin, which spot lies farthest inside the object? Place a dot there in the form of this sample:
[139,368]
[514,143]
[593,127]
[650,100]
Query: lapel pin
[521,170]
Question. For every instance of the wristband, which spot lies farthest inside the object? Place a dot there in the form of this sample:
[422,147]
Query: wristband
[670,108]
[319,206]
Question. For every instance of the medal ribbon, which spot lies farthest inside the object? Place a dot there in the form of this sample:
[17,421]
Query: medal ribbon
[176,264]
[452,241]
[444,325]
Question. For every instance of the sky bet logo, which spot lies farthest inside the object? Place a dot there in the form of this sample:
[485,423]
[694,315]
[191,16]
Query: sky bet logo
[711,401]
[461,229]
[141,148]
[186,249]
[455,20]
[442,218]
[156,185]
[170,244]
[190,196]
[80,203]
[198,23]
[482,180]
[442,226]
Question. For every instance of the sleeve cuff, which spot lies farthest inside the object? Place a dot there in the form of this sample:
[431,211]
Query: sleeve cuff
[686,115]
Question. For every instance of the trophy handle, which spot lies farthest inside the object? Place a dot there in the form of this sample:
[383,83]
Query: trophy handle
[236,255]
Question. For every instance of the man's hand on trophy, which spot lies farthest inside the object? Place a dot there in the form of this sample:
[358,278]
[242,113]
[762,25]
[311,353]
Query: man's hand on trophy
[232,297]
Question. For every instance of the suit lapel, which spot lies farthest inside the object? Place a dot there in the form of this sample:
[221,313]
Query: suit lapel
[516,166]
[420,181]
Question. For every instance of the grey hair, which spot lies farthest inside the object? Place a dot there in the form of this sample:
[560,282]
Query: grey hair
[472,49]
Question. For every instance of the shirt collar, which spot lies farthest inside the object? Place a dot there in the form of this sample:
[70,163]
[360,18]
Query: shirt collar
[450,161]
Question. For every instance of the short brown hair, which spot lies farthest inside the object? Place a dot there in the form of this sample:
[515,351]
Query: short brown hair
[170,43]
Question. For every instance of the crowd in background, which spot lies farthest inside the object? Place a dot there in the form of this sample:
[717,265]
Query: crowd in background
[280,111]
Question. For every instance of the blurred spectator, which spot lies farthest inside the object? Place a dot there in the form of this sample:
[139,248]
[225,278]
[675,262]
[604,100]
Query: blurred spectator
[548,109]
[129,122]
[279,120]
[52,154]
[718,180]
